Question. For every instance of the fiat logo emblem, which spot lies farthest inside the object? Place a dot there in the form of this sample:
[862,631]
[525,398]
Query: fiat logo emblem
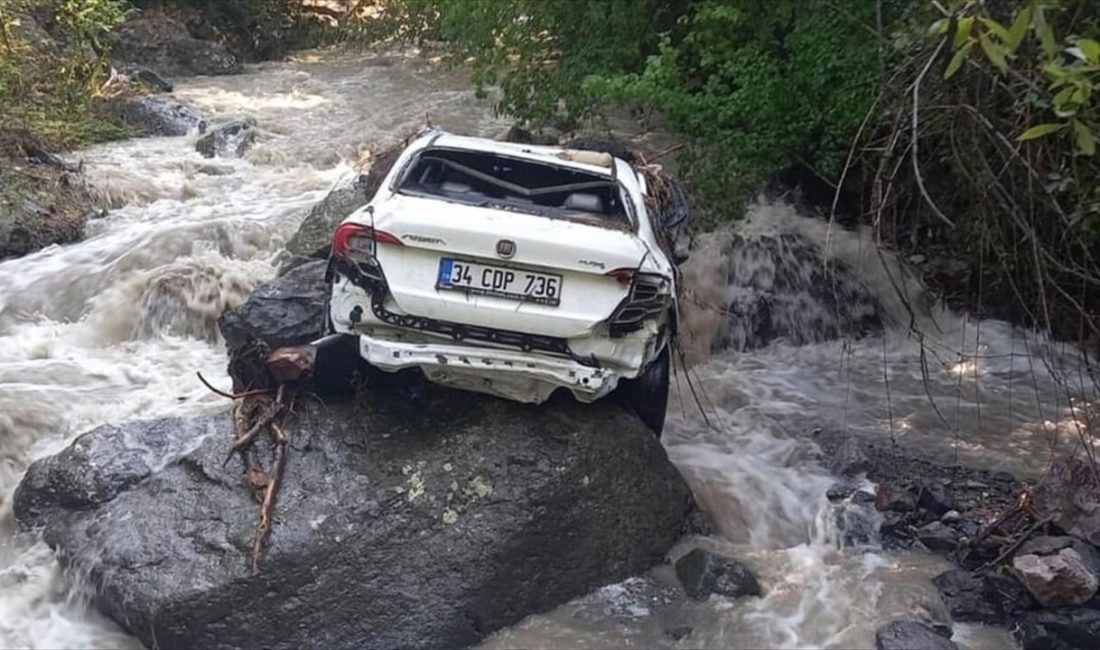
[506,248]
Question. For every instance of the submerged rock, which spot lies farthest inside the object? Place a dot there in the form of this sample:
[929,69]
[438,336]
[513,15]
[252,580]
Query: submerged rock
[230,139]
[401,523]
[912,635]
[156,115]
[703,573]
[1059,579]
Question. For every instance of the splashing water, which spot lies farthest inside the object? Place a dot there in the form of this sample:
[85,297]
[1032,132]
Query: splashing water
[791,326]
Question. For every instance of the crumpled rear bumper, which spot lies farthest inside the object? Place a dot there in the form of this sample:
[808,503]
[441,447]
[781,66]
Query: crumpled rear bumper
[515,375]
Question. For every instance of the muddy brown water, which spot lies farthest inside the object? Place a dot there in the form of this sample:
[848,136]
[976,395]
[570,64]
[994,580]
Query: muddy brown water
[115,327]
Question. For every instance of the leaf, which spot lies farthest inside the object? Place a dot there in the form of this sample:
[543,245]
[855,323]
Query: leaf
[997,28]
[962,30]
[1063,97]
[1046,34]
[939,28]
[1086,141]
[1038,131]
[957,60]
[1019,29]
[995,53]
[1091,49]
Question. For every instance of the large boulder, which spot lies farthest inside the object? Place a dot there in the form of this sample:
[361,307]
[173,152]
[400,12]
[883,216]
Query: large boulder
[159,42]
[422,522]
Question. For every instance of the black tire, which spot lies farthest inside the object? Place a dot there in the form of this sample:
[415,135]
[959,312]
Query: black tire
[647,395]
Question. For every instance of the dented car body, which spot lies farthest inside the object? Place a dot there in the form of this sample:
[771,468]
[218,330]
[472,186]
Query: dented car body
[507,269]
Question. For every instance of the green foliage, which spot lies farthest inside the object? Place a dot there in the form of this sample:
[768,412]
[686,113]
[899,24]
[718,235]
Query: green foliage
[760,89]
[48,77]
[754,87]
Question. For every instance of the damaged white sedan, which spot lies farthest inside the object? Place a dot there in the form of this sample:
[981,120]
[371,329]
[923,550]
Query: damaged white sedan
[513,270]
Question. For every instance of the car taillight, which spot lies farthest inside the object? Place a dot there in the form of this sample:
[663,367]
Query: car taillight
[357,242]
[623,276]
[650,296]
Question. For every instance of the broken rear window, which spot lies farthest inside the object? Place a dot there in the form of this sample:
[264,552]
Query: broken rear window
[490,180]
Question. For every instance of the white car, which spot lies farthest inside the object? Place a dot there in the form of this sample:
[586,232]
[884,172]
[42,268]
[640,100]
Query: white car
[513,270]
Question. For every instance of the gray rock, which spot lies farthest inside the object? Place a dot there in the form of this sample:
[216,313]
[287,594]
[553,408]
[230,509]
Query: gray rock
[912,635]
[895,498]
[1063,629]
[703,573]
[163,44]
[231,139]
[938,536]
[982,597]
[1071,494]
[427,523]
[1057,580]
[157,115]
[314,235]
[289,310]
[935,498]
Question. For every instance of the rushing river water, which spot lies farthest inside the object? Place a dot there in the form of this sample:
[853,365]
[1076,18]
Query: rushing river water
[115,327]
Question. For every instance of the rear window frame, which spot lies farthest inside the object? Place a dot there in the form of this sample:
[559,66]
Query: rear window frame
[630,212]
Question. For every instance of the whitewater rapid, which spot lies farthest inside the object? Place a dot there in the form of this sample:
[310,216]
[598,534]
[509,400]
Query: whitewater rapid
[115,328]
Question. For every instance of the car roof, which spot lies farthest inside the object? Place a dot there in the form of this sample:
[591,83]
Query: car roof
[587,161]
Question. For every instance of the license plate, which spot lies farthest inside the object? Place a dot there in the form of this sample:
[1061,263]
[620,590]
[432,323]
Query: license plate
[499,281]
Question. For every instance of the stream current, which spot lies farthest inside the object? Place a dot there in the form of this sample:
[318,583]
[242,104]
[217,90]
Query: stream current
[115,327]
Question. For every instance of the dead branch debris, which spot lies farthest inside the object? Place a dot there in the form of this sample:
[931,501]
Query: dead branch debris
[265,386]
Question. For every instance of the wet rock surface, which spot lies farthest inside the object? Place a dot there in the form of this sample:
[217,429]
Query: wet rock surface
[159,42]
[703,573]
[912,635]
[982,596]
[231,139]
[289,310]
[156,115]
[42,202]
[426,522]
[314,236]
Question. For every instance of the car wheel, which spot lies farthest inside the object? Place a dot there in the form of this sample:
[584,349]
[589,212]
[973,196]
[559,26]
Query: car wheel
[647,394]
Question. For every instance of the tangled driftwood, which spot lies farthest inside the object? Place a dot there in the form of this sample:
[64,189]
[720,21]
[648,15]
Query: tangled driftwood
[264,390]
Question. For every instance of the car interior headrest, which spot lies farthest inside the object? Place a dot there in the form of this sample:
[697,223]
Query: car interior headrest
[452,186]
[585,202]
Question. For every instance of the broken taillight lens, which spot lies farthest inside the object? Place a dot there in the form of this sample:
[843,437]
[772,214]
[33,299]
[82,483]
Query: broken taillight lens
[650,296]
[357,242]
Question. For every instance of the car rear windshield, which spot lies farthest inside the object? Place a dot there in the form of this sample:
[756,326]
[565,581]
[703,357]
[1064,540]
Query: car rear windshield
[490,180]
